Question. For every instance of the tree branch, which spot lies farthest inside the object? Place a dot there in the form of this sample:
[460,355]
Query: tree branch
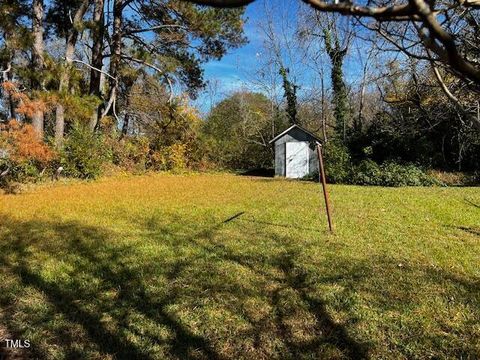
[160,71]
[223,3]
[136,31]
[450,53]
[94,68]
[392,13]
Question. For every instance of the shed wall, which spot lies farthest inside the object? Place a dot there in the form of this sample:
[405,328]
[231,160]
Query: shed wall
[312,160]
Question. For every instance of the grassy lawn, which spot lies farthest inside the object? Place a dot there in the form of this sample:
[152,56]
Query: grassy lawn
[230,267]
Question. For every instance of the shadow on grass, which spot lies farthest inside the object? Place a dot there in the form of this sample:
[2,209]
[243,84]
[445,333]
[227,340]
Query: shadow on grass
[94,259]
[471,230]
[260,172]
[169,295]
[97,261]
[469,202]
[239,217]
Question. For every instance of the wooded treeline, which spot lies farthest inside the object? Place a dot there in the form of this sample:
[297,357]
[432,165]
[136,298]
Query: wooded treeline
[373,90]
[84,56]
[89,82]
[74,67]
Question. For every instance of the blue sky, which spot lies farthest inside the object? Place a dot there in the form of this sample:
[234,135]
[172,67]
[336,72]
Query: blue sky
[231,72]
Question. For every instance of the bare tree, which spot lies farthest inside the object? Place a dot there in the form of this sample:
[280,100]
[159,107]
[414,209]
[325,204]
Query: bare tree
[366,60]
[437,26]
[334,34]
[280,59]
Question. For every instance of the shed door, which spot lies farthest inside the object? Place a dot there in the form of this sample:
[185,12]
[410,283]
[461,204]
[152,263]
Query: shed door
[296,156]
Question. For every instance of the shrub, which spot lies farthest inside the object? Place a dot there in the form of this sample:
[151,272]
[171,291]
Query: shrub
[368,172]
[339,168]
[171,157]
[23,157]
[84,153]
[130,153]
[390,174]
[338,165]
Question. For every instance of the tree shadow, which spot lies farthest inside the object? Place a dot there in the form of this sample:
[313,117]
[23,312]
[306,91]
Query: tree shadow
[98,262]
[327,331]
[469,202]
[128,303]
[260,172]
[470,230]
[88,250]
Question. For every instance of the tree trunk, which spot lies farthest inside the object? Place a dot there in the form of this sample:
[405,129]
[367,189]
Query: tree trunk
[97,57]
[359,122]
[7,75]
[339,92]
[59,125]
[116,50]
[126,124]
[324,111]
[72,38]
[38,60]
[11,101]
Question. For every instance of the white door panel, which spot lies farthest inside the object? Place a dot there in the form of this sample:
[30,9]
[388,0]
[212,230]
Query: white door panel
[296,159]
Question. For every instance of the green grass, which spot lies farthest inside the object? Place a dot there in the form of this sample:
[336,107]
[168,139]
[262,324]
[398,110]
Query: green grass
[230,267]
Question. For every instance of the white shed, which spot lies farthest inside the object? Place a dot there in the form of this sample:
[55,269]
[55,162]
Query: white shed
[295,153]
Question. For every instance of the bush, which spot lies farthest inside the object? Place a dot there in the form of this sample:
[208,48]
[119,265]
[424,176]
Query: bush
[84,153]
[368,172]
[338,165]
[394,174]
[340,169]
[130,153]
[23,157]
[390,174]
[171,157]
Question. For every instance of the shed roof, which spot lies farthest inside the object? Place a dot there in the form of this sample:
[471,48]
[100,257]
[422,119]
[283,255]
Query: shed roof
[290,129]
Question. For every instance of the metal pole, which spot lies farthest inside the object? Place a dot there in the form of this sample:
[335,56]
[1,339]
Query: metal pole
[321,174]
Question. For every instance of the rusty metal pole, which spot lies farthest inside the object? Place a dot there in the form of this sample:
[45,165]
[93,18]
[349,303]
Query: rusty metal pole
[321,174]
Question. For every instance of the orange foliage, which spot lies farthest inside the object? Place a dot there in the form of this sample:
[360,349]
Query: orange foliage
[26,106]
[22,143]
[9,87]
[30,107]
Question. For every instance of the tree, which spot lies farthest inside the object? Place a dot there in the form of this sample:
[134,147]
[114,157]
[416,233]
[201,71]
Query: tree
[335,36]
[97,34]
[171,39]
[337,53]
[38,61]
[237,131]
[171,42]
[13,33]
[277,75]
[437,27]
[71,33]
